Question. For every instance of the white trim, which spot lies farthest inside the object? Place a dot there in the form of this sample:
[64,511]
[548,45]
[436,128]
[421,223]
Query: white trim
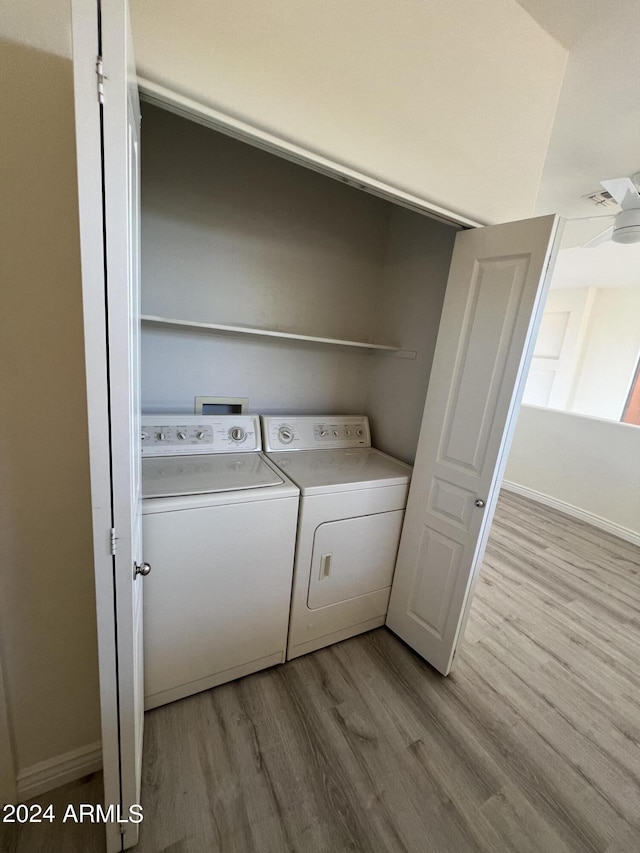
[574,511]
[89,164]
[50,774]
[160,96]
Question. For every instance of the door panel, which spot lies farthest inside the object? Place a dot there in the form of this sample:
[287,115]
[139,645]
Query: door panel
[480,355]
[497,283]
[431,592]
[558,348]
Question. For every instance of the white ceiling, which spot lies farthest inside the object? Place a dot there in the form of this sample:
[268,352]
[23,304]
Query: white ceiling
[596,134]
[569,20]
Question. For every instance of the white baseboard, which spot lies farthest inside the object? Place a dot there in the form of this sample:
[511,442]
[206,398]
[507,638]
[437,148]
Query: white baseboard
[575,511]
[53,772]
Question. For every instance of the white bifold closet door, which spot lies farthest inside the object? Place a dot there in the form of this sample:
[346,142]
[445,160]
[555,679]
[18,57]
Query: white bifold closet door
[108,151]
[493,305]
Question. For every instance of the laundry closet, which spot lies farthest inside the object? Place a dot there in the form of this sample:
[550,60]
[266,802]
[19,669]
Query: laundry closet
[298,290]
[232,235]
[305,295]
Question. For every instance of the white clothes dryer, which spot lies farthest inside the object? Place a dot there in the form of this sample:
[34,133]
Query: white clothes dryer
[219,528]
[351,512]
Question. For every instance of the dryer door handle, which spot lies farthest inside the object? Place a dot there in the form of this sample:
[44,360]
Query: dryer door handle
[325,567]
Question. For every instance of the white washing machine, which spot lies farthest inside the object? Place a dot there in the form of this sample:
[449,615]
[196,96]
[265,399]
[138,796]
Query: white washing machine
[219,529]
[351,512]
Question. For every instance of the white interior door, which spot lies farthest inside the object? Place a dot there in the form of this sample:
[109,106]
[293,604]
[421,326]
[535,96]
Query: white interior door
[556,355]
[493,305]
[108,186]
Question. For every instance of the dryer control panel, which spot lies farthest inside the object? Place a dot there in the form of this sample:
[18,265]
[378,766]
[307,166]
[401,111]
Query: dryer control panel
[173,435]
[315,432]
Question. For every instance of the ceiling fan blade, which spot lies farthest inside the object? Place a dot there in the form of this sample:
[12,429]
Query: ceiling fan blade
[599,238]
[624,191]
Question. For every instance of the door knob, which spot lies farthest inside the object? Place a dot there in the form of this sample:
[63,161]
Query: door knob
[143,570]
[479,502]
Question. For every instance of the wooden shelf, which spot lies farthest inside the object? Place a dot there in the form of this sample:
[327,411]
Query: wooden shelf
[151,322]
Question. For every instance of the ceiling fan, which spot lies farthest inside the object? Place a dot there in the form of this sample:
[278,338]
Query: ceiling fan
[626,226]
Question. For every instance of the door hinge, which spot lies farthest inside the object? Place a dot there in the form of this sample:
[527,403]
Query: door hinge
[112,537]
[100,74]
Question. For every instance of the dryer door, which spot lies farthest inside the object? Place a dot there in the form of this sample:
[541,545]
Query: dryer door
[352,557]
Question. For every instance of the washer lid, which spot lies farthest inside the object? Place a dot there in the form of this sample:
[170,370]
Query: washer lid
[171,476]
[317,471]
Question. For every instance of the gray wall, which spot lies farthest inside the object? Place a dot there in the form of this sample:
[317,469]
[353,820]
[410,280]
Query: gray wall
[416,271]
[233,235]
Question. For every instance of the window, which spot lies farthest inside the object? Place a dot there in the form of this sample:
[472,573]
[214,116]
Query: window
[588,348]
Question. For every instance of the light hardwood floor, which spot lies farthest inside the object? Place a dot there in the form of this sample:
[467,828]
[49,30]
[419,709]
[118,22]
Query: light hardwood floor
[532,744]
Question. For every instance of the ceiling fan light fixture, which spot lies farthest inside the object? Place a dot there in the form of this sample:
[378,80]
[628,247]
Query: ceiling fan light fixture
[627,226]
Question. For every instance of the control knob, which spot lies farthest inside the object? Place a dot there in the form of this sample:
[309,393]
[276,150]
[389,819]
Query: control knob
[200,435]
[144,436]
[359,433]
[285,434]
[237,434]
[161,436]
[182,435]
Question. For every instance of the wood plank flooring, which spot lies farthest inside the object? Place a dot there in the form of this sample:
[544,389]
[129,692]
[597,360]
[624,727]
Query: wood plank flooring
[532,744]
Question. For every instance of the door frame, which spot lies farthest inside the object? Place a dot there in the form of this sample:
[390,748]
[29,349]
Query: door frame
[90,194]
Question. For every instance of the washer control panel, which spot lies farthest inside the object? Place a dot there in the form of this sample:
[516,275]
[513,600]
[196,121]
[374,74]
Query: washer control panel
[298,432]
[173,435]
